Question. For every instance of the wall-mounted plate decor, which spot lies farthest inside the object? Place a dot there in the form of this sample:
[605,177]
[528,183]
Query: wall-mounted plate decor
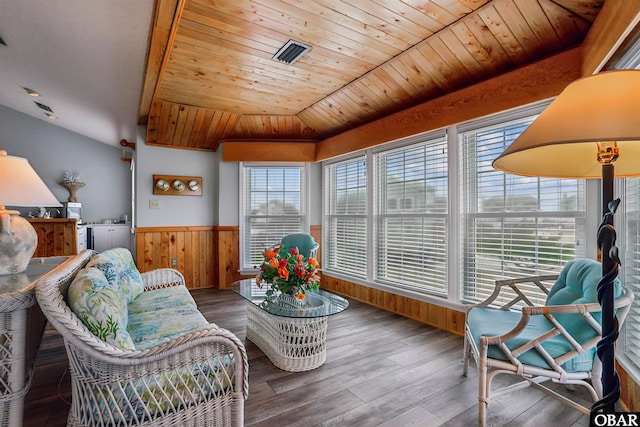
[162,185]
[177,185]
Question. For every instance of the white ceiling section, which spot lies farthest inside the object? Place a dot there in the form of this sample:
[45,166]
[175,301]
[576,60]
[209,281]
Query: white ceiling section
[85,57]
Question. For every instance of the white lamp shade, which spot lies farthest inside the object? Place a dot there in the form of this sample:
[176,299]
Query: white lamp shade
[561,142]
[20,185]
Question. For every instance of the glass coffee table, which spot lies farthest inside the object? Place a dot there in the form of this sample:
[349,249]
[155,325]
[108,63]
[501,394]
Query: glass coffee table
[292,335]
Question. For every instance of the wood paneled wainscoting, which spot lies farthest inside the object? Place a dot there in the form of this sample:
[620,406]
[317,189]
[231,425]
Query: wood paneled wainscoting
[431,314]
[187,249]
[207,256]
[629,390]
[228,255]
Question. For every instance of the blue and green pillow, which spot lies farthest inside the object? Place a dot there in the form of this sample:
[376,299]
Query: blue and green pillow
[100,307]
[120,270]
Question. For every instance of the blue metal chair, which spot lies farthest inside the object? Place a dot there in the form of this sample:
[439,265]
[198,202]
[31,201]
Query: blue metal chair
[555,341]
[305,243]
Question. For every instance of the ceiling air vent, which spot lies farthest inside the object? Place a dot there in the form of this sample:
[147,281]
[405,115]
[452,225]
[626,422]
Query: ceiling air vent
[44,107]
[291,52]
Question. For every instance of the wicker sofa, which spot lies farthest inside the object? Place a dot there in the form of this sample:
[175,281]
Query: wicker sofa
[140,353]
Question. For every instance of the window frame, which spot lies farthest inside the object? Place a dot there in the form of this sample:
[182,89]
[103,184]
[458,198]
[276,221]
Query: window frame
[246,268]
[381,212]
[469,215]
[452,300]
[329,216]
[626,271]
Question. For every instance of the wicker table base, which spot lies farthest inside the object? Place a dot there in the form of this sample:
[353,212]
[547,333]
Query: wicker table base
[21,326]
[292,344]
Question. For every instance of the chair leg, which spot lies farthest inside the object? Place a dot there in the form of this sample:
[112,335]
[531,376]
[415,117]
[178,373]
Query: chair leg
[483,392]
[596,377]
[465,350]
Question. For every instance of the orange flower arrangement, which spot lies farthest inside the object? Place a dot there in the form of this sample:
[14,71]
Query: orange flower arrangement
[287,271]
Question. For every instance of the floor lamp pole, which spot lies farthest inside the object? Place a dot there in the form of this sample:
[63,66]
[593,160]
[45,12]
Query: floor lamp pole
[610,262]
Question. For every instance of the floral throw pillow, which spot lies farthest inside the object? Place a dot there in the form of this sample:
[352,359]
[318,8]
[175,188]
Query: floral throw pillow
[100,307]
[121,272]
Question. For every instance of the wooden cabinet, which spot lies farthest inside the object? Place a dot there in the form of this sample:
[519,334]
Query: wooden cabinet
[56,236]
[108,236]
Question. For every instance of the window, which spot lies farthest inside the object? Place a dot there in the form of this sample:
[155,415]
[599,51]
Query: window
[273,205]
[514,225]
[630,270]
[411,216]
[629,242]
[420,214]
[345,248]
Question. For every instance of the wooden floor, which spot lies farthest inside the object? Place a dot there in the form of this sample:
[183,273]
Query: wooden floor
[382,370]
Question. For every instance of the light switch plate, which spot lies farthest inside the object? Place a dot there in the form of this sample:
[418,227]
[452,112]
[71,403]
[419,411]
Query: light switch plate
[154,203]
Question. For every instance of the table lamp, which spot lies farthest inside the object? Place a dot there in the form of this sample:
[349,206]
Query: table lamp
[592,124]
[20,185]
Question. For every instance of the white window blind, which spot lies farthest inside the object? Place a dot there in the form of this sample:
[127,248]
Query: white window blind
[273,207]
[514,225]
[630,271]
[345,248]
[411,216]
[631,268]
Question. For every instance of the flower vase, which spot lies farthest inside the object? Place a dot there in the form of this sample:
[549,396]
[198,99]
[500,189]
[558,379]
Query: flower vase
[73,189]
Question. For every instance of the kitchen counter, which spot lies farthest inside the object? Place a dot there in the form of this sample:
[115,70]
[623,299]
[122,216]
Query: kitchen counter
[52,220]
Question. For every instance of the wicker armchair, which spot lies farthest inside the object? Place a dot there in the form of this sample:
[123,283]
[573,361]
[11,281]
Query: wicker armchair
[197,379]
[508,333]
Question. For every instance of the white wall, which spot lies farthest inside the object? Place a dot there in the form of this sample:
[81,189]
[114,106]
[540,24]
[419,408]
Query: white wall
[175,210]
[315,193]
[52,150]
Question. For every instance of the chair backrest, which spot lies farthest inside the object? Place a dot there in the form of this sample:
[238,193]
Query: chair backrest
[305,243]
[578,284]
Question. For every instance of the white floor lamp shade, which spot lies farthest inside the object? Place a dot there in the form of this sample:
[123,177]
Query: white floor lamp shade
[21,186]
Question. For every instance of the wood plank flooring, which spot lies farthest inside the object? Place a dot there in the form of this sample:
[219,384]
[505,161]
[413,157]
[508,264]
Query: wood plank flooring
[382,370]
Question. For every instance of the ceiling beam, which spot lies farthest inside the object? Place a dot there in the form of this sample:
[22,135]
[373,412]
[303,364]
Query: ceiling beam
[535,82]
[269,151]
[614,23]
[164,24]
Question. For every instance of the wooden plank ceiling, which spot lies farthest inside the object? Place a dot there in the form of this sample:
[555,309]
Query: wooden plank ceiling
[211,77]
